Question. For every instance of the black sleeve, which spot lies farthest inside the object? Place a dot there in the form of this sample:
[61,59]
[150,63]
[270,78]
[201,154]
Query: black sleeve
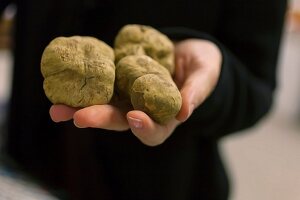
[249,38]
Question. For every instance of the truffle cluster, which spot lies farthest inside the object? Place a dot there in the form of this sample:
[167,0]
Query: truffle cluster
[81,71]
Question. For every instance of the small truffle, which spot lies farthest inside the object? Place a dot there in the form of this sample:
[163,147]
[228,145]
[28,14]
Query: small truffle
[149,86]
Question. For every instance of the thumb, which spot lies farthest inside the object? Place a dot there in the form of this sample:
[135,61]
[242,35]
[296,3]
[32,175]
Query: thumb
[188,105]
[194,91]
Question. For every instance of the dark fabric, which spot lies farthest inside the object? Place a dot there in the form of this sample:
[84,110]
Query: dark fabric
[3,4]
[98,164]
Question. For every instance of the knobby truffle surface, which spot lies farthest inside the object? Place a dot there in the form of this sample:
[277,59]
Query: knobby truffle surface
[134,39]
[78,71]
[149,86]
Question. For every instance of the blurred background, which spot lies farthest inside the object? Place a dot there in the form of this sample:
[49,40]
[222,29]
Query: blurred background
[263,161]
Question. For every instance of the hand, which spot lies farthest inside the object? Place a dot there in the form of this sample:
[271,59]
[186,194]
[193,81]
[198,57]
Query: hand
[198,65]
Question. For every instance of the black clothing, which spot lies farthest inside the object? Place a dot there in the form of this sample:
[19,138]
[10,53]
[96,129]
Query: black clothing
[93,162]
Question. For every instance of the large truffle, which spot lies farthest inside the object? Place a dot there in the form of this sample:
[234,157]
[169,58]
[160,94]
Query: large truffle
[78,71]
[136,39]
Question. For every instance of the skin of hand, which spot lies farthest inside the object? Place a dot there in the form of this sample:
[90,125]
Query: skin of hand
[198,66]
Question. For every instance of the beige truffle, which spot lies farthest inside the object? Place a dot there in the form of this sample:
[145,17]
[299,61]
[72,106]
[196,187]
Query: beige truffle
[78,71]
[149,86]
[136,39]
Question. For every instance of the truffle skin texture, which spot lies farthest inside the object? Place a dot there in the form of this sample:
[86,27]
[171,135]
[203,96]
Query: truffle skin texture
[78,71]
[134,37]
[149,86]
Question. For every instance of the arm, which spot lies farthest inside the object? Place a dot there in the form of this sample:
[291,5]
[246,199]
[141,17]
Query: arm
[251,33]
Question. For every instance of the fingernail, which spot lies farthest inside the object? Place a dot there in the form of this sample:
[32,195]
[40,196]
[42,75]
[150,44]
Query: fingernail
[77,125]
[136,123]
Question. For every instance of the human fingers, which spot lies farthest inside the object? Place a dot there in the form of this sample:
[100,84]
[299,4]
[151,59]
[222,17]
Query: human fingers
[200,61]
[60,113]
[192,93]
[148,131]
[197,86]
[101,116]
